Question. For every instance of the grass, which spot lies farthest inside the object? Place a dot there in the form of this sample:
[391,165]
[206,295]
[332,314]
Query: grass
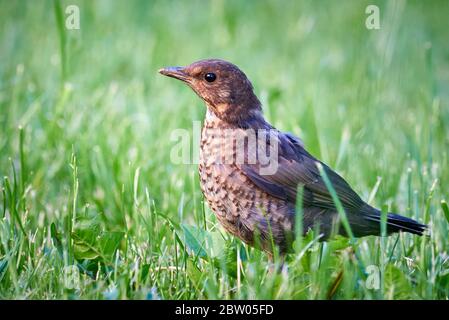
[88,188]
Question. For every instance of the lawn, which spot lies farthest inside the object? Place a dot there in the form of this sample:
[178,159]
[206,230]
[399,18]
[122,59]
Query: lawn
[92,205]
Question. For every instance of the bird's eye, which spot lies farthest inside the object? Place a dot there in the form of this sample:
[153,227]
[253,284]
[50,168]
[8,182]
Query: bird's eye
[210,77]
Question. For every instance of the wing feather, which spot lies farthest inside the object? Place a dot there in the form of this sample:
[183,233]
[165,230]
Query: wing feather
[296,167]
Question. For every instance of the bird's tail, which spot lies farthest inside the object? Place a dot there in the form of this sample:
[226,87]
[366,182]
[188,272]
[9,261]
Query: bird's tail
[396,223]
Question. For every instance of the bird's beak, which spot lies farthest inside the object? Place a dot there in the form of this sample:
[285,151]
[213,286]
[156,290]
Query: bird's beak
[175,72]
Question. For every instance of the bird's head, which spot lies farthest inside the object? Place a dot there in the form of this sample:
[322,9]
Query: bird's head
[225,89]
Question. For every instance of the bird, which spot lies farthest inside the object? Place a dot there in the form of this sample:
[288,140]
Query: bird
[255,199]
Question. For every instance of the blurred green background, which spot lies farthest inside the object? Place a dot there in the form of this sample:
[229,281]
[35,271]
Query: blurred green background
[86,120]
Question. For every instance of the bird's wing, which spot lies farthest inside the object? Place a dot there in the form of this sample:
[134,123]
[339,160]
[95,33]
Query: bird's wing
[296,167]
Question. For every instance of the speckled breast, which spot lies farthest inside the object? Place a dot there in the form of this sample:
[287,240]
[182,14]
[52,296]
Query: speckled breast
[240,206]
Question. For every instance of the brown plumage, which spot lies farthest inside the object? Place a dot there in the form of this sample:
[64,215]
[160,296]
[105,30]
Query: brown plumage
[254,199]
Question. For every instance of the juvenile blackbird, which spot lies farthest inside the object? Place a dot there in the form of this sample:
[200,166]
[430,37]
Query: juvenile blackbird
[255,199]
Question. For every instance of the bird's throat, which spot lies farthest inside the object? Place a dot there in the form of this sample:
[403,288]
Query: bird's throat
[235,115]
